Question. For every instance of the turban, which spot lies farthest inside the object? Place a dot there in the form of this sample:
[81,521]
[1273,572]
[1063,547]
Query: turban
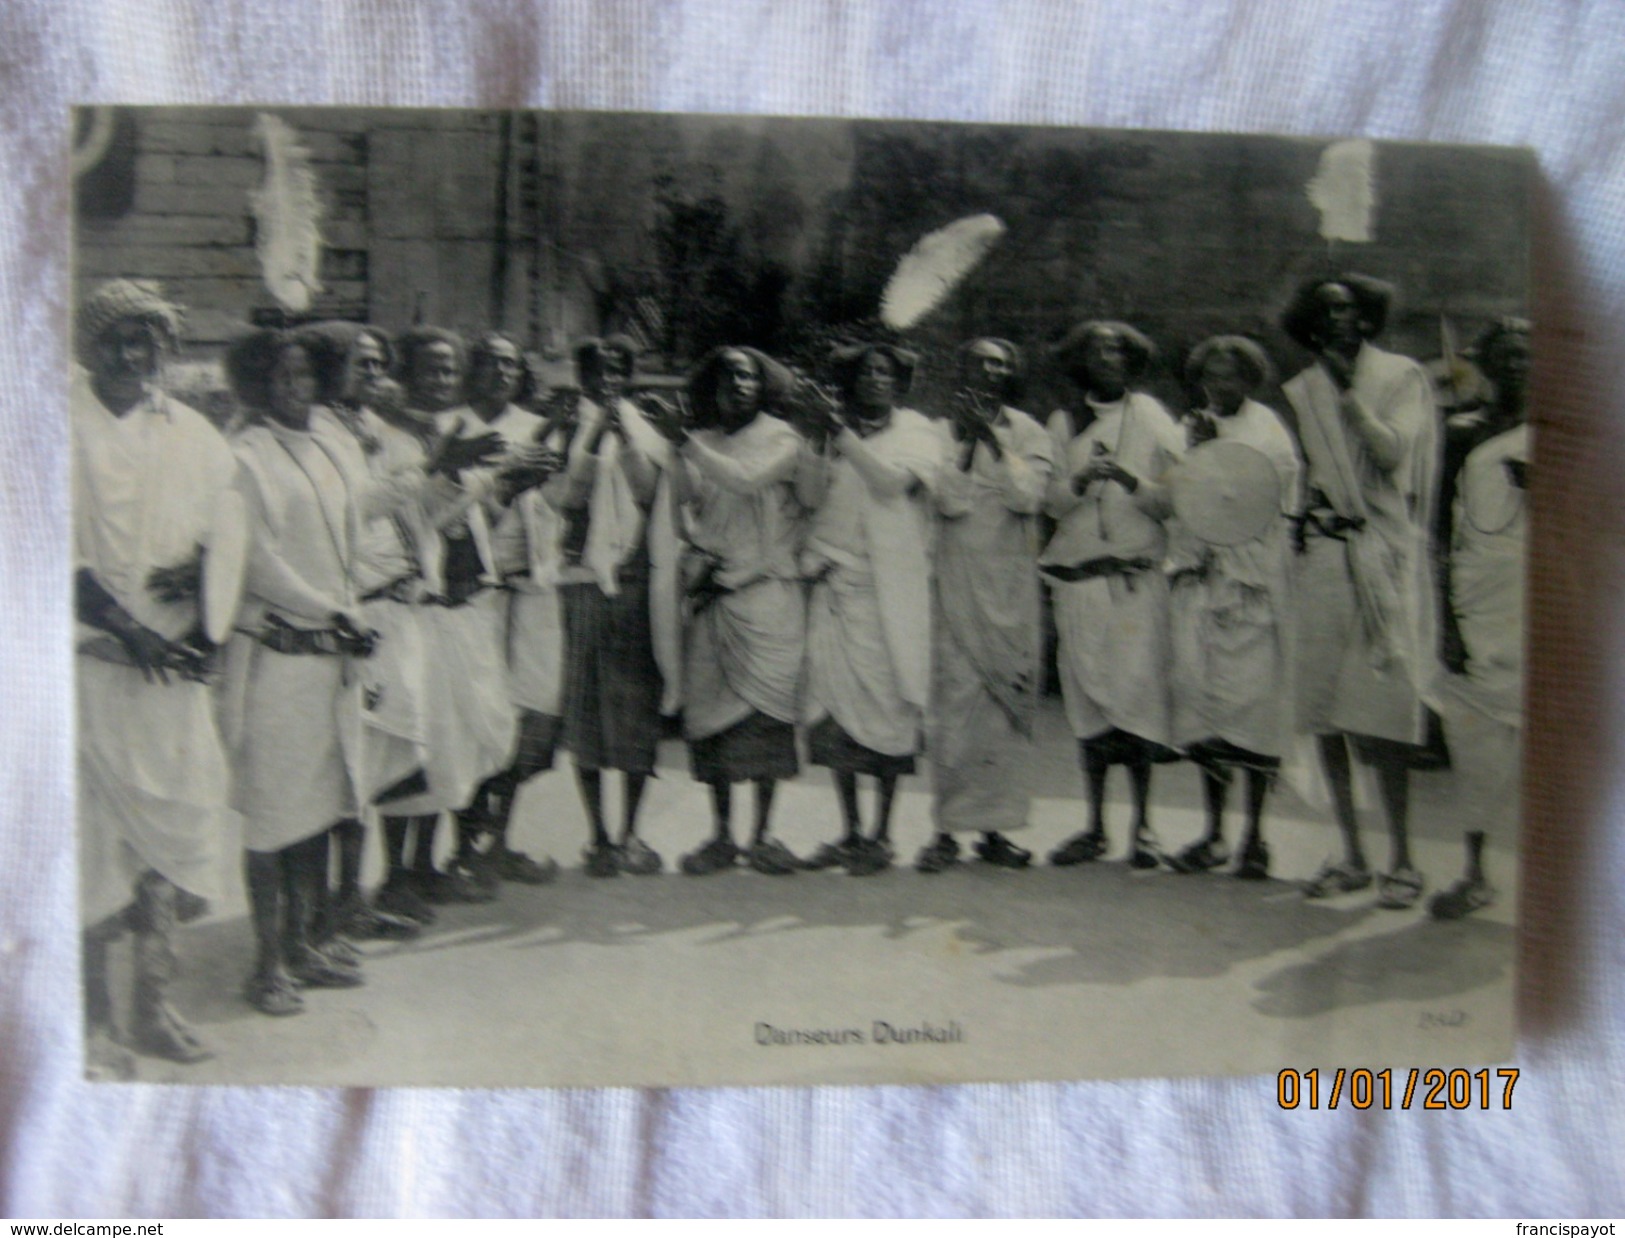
[117,300]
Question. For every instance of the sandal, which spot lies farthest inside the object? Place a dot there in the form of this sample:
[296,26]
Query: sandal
[312,969]
[869,857]
[941,854]
[273,993]
[439,888]
[160,1032]
[1401,889]
[832,855]
[511,865]
[359,921]
[1344,878]
[716,855]
[396,897]
[601,860]
[1462,899]
[772,857]
[1199,857]
[1254,864]
[639,858]
[999,851]
[1079,849]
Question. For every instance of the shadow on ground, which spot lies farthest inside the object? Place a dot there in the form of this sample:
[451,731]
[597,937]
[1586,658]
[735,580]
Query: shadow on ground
[1100,924]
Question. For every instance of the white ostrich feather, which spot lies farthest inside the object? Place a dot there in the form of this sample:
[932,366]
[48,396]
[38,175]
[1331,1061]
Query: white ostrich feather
[1344,190]
[938,261]
[289,214]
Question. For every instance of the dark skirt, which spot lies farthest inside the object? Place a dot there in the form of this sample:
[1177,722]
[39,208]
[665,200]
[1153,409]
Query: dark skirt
[538,744]
[1219,755]
[758,747]
[612,685]
[829,744]
[1120,747]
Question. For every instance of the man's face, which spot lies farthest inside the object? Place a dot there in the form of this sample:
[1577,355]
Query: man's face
[988,370]
[1106,362]
[368,369]
[1340,317]
[498,372]
[739,387]
[127,354]
[293,385]
[611,380]
[435,376]
[1508,364]
[1223,382]
[876,385]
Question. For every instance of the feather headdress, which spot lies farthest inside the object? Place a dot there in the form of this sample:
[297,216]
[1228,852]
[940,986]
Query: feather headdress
[289,214]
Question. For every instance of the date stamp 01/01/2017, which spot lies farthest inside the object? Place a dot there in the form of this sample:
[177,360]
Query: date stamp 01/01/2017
[1434,1087]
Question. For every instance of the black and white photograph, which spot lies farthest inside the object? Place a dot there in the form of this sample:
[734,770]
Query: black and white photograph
[594,598]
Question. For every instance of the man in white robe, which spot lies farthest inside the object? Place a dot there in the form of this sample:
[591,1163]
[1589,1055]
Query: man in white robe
[1481,695]
[1231,615]
[746,640]
[1366,636]
[150,477]
[868,555]
[985,618]
[1104,570]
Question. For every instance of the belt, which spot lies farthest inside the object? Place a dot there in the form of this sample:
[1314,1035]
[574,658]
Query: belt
[1108,565]
[323,642]
[1325,523]
[394,591]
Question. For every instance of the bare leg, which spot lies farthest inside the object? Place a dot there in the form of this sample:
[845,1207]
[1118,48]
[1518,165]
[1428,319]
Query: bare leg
[395,832]
[263,875]
[1215,790]
[423,846]
[722,810]
[634,784]
[846,788]
[1095,768]
[1334,759]
[590,782]
[765,787]
[1139,777]
[885,795]
[1258,787]
[1394,783]
[1475,855]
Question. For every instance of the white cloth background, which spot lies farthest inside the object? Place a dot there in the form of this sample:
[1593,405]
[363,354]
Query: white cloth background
[1470,70]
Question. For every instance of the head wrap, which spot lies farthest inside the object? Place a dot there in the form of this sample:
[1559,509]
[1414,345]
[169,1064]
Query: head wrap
[117,300]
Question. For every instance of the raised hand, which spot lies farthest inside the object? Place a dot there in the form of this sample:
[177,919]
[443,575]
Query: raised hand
[454,453]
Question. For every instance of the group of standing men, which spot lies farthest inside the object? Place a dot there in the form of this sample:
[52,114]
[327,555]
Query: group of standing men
[440,587]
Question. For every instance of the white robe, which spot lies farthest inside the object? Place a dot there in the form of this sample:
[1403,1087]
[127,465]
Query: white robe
[1112,630]
[153,779]
[1366,650]
[294,720]
[1232,625]
[869,615]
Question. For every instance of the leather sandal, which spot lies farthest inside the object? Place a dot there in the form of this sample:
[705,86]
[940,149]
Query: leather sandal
[1200,857]
[1079,849]
[601,860]
[870,857]
[1401,889]
[639,858]
[1254,864]
[1337,878]
[716,855]
[773,858]
[1462,899]
[939,855]
[994,848]
[273,993]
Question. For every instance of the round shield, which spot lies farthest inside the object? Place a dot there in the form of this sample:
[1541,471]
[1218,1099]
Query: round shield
[224,560]
[1226,493]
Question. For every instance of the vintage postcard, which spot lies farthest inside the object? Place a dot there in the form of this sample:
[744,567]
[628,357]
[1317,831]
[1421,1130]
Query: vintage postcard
[607,599]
